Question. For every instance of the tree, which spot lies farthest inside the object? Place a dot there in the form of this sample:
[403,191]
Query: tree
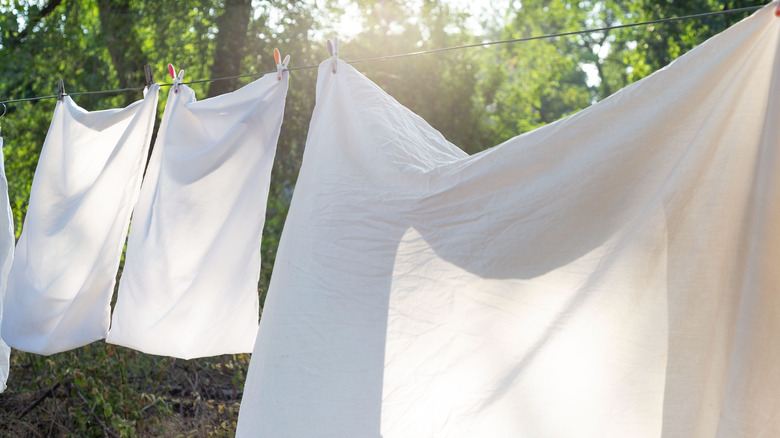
[118,21]
[533,83]
[636,52]
[230,44]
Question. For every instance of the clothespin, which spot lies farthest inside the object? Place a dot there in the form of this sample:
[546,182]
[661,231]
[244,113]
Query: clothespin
[280,66]
[149,75]
[333,48]
[177,79]
[5,108]
[60,89]
[777,10]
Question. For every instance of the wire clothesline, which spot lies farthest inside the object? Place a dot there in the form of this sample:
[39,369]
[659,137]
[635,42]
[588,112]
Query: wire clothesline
[422,52]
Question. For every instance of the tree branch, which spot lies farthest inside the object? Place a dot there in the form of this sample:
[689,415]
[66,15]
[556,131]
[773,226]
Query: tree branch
[33,21]
[49,392]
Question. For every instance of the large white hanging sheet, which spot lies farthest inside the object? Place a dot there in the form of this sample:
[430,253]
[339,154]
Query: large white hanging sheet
[6,258]
[87,180]
[189,285]
[611,274]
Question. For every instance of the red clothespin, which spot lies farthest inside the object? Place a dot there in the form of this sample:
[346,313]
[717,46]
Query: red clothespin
[777,10]
[280,65]
[333,49]
[176,78]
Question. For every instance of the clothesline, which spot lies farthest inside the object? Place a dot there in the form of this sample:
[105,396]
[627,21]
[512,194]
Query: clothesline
[422,52]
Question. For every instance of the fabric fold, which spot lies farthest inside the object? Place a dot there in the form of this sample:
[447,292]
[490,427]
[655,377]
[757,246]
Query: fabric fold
[7,240]
[189,285]
[610,274]
[85,185]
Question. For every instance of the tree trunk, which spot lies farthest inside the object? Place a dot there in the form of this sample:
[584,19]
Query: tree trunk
[232,27]
[124,46]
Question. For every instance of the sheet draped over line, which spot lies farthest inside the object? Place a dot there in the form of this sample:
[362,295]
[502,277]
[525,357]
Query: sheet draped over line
[85,185]
[611,274]
[6,257]
[189,284]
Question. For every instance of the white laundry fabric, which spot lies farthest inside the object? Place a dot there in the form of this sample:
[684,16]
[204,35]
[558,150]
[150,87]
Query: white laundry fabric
[6,258]
[189,284]
[87,180]
[612,274]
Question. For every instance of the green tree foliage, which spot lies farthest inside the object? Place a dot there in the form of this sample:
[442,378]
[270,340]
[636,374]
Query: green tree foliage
[540,81]
[661,44]
[635,52]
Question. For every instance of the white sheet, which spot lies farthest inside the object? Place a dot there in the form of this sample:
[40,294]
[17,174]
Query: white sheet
[7,241]
[189,285]
[87,180]
[611,274]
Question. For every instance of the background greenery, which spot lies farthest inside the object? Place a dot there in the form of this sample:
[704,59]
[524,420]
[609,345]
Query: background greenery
[476,97]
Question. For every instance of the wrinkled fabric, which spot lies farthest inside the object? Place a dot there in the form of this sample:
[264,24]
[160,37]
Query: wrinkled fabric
[611,274]
[86,182]
[6,258]
[189,285]
[85,185]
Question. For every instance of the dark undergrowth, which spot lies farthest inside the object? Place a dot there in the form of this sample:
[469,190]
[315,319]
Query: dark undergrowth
[103,390]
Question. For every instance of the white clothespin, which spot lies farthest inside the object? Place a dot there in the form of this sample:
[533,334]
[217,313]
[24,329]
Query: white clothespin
[177,79]
[280,66]
[333,48]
